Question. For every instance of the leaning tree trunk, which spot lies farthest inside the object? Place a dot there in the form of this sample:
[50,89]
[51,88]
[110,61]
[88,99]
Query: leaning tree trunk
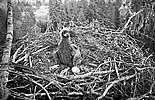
[6,53]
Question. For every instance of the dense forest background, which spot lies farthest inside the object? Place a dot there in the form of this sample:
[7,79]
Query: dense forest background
[109,13]
[115,39]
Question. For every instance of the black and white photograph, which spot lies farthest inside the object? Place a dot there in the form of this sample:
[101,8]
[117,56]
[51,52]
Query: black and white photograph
[77,49]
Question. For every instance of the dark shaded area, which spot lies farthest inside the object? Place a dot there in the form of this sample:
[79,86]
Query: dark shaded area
[146,33]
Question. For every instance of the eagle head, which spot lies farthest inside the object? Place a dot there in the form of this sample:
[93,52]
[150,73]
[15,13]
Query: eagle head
[65,33]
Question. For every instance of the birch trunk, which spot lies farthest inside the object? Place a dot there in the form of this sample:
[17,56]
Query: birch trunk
[6,53]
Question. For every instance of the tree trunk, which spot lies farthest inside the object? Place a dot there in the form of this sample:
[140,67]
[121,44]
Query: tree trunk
[116,14]
[6,53]
[3,18]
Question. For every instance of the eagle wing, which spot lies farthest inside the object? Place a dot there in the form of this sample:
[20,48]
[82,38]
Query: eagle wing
[64,55]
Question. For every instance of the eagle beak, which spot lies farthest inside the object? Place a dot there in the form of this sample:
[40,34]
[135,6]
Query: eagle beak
[67,34]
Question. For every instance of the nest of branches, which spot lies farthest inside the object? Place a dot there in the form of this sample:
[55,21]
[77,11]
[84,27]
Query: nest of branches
[113,66]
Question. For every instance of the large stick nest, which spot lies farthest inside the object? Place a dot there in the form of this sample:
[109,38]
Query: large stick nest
[113,67]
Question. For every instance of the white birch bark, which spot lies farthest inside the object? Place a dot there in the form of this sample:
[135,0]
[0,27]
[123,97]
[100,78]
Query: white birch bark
[6,53]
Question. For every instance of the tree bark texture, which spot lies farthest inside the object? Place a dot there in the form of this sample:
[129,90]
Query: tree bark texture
[6,53]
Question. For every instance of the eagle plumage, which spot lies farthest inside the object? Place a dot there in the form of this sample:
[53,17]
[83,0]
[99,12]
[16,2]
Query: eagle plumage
[65,52]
